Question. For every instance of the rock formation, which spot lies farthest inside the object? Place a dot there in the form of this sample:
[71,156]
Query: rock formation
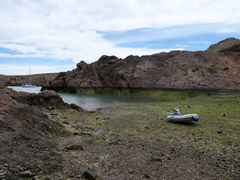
[26,137]
[44,98]
[216,68]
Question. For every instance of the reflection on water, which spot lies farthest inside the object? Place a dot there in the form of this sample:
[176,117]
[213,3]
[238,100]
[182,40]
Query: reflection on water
[96,101]
[90,102]
[35,89]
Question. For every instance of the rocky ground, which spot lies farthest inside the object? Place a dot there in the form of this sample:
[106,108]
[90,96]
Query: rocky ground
[134,141]
[27,138]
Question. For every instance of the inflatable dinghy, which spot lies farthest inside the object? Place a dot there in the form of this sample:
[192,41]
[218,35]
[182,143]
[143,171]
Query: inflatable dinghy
[177,117]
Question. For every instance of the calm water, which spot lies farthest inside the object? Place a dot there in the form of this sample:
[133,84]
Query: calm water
[90,102]
[35,89]
[93,102]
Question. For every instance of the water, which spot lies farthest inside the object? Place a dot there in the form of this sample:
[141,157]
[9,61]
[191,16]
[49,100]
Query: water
[96,101]
[35,89]
[91,102]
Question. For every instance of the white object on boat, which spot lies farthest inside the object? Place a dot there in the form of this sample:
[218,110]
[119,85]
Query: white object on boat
[177,117]
[30,81]
[28,86]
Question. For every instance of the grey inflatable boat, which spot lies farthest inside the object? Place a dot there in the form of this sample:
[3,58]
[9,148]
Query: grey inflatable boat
[177,117]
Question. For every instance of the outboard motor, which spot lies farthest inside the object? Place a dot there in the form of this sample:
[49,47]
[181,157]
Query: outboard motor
[176,111]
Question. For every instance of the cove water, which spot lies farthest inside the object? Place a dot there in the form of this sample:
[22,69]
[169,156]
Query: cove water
[35,89]
[90,102]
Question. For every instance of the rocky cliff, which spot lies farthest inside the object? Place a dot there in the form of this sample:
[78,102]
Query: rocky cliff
[216,68]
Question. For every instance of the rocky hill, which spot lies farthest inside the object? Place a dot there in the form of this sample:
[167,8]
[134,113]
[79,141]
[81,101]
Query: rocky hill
[216,68]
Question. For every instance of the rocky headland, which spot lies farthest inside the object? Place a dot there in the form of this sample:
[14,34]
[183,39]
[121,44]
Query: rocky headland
[216,68]
[37,79]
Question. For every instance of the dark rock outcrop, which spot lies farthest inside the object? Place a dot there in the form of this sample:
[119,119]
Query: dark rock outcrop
[228,44]
[216,68]
[44,98]
[26,139]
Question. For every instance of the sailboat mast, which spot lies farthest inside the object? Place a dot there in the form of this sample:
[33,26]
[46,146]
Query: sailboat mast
[30,77]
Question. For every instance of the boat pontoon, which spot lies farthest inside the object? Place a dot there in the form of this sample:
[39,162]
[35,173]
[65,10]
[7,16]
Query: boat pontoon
[177,117]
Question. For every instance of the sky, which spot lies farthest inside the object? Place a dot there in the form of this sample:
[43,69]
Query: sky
[53,35]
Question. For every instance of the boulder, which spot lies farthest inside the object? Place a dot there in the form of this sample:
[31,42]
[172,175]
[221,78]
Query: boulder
[74,145]
[89,174]
[27,174]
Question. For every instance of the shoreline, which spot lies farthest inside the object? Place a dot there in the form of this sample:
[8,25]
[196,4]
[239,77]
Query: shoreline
[148,92]
[133,89]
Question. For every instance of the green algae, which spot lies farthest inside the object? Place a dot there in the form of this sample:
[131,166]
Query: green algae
[218,127]
[152,93]
[166,94]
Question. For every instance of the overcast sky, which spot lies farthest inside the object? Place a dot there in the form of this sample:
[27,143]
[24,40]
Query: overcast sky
[53,35]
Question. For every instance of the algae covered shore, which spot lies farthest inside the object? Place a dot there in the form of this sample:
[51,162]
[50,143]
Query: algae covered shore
[135,141]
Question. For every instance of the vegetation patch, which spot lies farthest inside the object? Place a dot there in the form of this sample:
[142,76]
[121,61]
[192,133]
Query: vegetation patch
[212,69]
[152,93]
